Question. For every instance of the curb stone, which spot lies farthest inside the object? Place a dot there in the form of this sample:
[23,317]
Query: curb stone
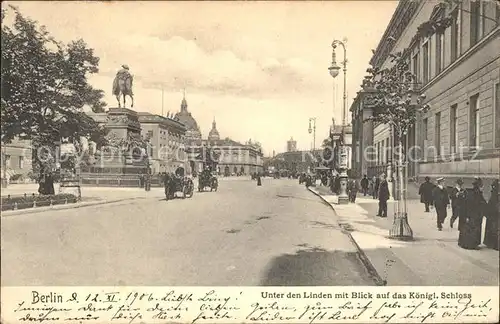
[25,211]
[362,255]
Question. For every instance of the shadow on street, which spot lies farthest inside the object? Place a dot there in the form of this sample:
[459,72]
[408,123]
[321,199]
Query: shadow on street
[317,267]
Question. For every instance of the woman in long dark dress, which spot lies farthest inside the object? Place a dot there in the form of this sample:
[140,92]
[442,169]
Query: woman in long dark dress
[492,217]
[475,209]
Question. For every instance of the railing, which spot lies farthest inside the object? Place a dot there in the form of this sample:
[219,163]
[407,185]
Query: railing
[14,202]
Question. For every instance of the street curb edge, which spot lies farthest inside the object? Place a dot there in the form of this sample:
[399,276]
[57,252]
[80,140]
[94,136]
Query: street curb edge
[362,255]
[69,206]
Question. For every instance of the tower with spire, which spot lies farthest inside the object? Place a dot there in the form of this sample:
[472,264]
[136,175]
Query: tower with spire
[214,133]
[193,132]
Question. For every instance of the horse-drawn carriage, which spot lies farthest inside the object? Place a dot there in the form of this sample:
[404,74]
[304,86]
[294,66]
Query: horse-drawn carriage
[207,179]
[178,182]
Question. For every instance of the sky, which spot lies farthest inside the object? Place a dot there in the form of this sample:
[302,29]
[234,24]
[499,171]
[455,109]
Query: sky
[259,68]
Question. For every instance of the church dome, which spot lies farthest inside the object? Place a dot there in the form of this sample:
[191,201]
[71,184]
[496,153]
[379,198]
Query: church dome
[214,133]
[185,117]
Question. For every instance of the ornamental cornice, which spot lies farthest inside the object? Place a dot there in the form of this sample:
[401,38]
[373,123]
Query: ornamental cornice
[398,23]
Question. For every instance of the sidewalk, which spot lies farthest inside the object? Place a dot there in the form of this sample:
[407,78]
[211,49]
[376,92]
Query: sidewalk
[87,192]
[91,196]
[432,258]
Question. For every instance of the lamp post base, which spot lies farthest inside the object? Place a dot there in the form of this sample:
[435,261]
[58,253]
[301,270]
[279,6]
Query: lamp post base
[401,229]
[343,197]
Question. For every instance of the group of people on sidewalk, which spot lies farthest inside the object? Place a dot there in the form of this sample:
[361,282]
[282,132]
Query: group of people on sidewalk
[377,187]
[469,206]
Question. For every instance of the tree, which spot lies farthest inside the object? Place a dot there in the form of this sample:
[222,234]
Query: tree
[45,87]
[395,100]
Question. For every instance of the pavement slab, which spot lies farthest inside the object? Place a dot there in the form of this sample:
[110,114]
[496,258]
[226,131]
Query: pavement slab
[274,234]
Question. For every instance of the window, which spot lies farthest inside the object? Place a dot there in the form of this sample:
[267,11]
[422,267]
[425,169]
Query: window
[377,157]
[439,52]
[416,67]
[21,162]
[453,129]
[425,124]
[426,63]
[475,28]
[454,36]
[474,121]
[437,133]
[7,161]
[387,150]
[497,114]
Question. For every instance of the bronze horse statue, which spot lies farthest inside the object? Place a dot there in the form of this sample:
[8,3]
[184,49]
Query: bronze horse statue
[122,85]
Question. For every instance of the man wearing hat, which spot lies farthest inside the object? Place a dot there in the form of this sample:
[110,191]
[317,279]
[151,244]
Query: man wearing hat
[457,197]
[441,201]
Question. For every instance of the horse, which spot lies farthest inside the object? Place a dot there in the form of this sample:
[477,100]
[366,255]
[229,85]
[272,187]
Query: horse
[123,87]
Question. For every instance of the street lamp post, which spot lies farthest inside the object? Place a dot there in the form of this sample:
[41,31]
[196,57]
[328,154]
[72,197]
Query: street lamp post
[334,72]
[313,131]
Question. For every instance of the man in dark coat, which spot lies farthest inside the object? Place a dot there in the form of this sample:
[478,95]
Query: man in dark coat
[441,201]
[425,192]
[376,184]
[259,180]
[470,233]
[492,217]
[456,203]
[352,189]
[383,196]
[364,185]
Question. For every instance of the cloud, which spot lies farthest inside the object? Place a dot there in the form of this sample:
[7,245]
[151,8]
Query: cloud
[177,63]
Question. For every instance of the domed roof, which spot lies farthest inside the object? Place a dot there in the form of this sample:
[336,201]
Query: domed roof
[214,133]
[185,117]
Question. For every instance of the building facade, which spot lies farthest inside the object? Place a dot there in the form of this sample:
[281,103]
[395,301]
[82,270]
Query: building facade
[16,161]
[233,157]
[167,142]
[291,145]
[458,69]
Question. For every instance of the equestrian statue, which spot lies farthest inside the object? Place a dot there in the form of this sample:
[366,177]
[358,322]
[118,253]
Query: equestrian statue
[122,85]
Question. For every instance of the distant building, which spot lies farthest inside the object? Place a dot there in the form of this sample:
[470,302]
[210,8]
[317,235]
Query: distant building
[291,145]
[296,161]
[235,157]
[16,160]
[167,141]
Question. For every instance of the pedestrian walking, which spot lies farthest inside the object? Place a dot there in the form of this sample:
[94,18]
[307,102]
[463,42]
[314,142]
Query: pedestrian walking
[470,234]
[441,201]
[352,189]
[491,232]
[457,192]
[364,185]
[425,192]
[383,196]
[259,180]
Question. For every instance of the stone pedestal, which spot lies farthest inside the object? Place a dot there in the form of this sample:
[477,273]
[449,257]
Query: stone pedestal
[119,163]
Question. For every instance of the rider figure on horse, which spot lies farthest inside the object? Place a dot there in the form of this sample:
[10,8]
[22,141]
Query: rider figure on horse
[122,84]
